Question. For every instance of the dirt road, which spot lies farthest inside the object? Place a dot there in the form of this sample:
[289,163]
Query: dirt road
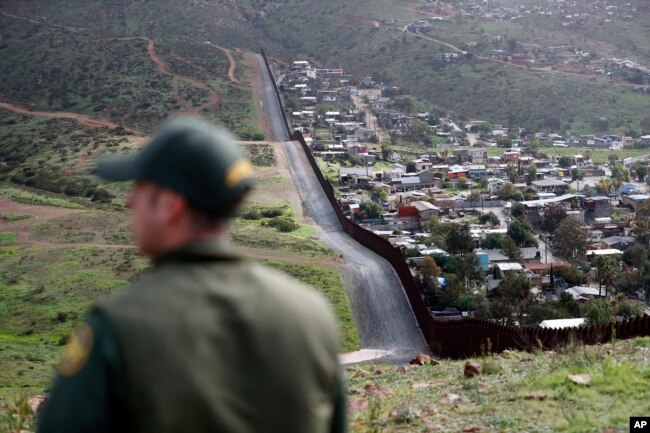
[84,120]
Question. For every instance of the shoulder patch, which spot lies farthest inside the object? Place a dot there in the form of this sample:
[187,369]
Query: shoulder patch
[77,351]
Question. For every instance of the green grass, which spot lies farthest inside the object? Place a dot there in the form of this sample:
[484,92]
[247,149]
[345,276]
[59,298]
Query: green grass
[8,238]
[13,217]
[326,280]
[413,398]
[302,242]
[44,292]
[37,199]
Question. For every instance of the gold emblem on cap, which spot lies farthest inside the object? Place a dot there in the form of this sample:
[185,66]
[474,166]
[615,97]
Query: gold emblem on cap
[238,172]
[77,351]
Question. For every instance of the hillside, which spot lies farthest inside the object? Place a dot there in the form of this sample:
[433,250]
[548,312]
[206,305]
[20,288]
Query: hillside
[516,392]
[369,38]
[219,21]
[83,82]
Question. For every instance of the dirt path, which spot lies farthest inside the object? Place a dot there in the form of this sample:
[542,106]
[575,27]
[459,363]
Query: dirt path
[164,69]
[84,120]
[38,214]
[373,123]
[232,63]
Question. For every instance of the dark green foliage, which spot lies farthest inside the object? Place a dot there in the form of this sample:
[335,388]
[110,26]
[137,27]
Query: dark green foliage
[553,217]
[282,224]
[492,241]
[371,210]
[598,312]
[522,234]
[565,161]
[489,218]
[459,239]
[570,274]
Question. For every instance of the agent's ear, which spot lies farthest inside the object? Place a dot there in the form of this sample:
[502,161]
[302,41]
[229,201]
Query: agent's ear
[173,206]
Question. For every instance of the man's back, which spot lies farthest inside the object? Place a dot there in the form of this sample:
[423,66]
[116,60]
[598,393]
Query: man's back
[225,345]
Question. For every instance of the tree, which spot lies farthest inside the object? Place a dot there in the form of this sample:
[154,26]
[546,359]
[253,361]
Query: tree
[522,235]
[641,171]
[410,166]
[385,151]
[598,312]
[510,298]
[606,266]
[577,174]
[628,309]
[565,161]
[532,173]
[620,174]
[428,276]
[370,210]
[493,241]
[604,186]
[517,210]
[462,182]
[571,238]
[642,223]
[511,171]
[636,256]
[572,275]
[507,189]
[511,250]
[379,194]
[459,239]
[489,218]
[553,216]
[569,304]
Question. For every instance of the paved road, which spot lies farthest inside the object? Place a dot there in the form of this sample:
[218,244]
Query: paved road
[270,106]
[380,308]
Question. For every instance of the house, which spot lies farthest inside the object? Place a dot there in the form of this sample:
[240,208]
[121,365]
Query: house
[503,268]
[550,185]
[603,252]
[425,209]
[584,293]
[531,255]
[562,323]
[494,185]
[596,207]
[423,164]
[493,256]
[477,171]
[456,172]
[355,175]
[621,243]
[635,201]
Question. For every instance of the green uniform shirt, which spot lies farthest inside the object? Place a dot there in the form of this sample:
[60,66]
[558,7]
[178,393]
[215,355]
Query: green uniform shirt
[206,342]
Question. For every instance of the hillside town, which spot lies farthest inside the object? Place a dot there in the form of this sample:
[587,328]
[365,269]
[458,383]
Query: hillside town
[550,56]
[525,227]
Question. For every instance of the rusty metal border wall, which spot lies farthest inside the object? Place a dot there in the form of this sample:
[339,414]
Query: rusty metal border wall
[464,337]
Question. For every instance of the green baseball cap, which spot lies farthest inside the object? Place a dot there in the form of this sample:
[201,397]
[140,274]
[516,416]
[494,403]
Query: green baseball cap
[196,159]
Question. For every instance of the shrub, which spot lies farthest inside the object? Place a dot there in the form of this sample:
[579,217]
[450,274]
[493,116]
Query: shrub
[598,312]
[629,309]
[284,225]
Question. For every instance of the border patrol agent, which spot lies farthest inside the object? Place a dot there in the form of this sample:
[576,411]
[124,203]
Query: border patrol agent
[207,341]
